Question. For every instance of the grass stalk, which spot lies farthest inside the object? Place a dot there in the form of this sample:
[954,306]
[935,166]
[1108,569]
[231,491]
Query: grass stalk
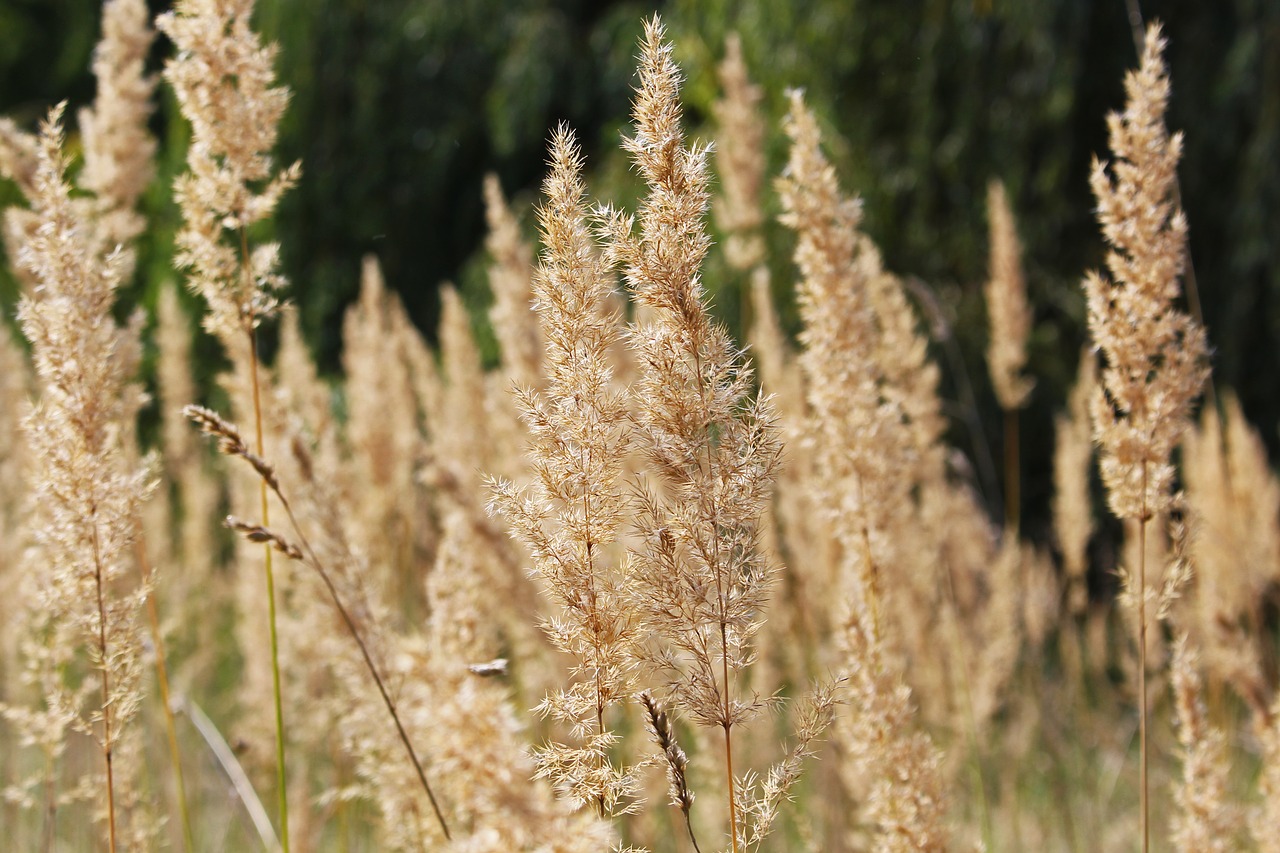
[728,746]
[232,444]
[162,680]
[722,596]
[283,788]
[593,598]
[349,621]
[1144,818]
[281,774]
[104,669]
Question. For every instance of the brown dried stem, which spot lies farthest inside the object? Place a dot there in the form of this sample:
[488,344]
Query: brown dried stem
[104,670]
[231,443]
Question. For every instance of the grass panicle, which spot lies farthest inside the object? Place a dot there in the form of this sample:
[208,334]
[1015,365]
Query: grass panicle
[1009,321]
[702,581]
[88,495]
[1154,355]
[569,518]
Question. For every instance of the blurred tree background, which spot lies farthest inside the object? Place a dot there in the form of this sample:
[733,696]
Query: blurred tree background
[400,108]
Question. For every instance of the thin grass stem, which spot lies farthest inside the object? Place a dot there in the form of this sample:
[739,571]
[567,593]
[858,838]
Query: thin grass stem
[162,680]
[232,444]
[281,774]
[283,787]
[1142,669]
[364,653]
[104,669]
[728,761]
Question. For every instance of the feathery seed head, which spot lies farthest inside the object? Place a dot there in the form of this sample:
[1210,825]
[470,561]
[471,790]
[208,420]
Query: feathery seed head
[1206,821]
[222,76]
[702,581]
[88,487]
[1008,315]
[1155,355]
[740,158]
[569,517]
[510,271]
[1072,464]
[119,151]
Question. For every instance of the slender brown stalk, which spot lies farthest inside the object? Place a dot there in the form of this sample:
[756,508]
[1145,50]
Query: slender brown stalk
[104,671]
[728,740]
[231,443]
[1143,792]
[283,787]
[368,659]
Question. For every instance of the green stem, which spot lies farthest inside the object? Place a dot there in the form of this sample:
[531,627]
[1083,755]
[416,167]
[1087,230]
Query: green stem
[283,791]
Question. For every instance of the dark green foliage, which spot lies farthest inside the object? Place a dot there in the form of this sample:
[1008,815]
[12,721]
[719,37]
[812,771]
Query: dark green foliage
[400,108]
[926,102]
[44,54]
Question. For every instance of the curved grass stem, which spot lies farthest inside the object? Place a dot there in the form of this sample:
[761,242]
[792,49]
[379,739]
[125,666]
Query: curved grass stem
[368,658]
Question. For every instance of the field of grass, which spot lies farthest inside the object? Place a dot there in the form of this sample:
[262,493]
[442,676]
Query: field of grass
[642,586]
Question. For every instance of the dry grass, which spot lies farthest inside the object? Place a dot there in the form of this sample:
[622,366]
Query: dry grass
[576,603]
